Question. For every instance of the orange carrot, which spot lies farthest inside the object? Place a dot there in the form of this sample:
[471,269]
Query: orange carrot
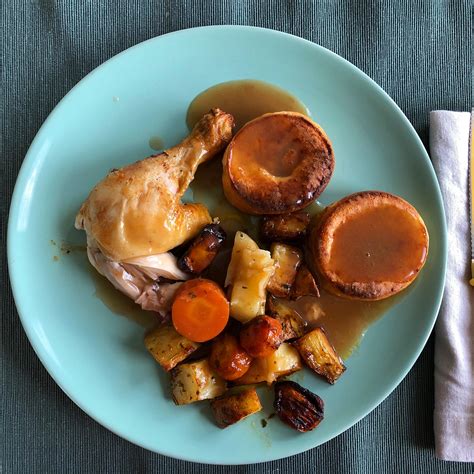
[200,310]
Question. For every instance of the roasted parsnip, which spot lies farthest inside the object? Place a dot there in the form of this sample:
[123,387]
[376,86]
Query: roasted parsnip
[287,260]
[286,227]
[293,325]
[297,406]
[304,284]
[203,249]
[319,355]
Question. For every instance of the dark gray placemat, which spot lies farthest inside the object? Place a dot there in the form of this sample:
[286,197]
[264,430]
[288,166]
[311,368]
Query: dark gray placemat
[418,51]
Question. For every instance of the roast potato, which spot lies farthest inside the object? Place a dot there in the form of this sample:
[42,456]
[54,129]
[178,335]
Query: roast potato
[234,407]
[194,381]
[284,361]
[168,347]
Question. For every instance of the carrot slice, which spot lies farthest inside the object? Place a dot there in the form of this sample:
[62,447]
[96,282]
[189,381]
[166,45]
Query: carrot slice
[200,310]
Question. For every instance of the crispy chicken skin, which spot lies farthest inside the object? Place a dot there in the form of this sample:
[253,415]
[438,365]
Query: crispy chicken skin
[137,210]
[134,216]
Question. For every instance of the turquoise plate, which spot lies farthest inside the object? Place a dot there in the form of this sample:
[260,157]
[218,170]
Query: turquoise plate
[106,121]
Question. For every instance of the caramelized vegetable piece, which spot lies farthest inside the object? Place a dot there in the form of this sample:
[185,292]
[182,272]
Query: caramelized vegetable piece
[200,310]
[262,336]
[287,227]
[320,355]
[228,358]
[203,250]
[233,407]
[195,381]
[297,406]
[304,284]
[247,277]
[168,347]
[287,260]
[284,361]
[292,324]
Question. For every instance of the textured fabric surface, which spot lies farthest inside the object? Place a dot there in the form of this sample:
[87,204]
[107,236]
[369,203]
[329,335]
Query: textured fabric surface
[418,51]
[454,346]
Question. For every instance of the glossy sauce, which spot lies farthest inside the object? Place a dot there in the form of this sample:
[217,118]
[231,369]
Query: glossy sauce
[344,320]
[120,304]
[269,144]
[206,188]
[384,243]
[156,143]
[245,100]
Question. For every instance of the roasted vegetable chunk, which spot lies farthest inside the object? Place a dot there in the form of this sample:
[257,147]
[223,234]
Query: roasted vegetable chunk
[320,355]
[247,277]
[168,347]
[231,408]
[297,406]
[195,381]
[200,310]
[304,284]
[287,227]
[228,358]
[203,249]
[292,324]
[284,361]
[287,260]
[262,336]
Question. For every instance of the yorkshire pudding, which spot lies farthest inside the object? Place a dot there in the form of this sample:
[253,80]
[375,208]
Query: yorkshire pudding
[277,163]
[369,245]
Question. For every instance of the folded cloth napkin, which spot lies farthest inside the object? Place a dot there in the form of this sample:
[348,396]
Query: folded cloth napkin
[454,344]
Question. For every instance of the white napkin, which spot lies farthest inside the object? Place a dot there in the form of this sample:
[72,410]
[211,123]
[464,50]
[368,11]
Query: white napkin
[454,345]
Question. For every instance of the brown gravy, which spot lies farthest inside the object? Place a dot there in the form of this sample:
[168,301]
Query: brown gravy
[270,145]
[156,143]
[344,320]
[381,244]
[244,99]
[207,189]
[118,303]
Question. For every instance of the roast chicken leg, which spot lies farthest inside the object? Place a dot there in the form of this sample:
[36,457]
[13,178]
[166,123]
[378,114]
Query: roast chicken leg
[134,216]
[137,210]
